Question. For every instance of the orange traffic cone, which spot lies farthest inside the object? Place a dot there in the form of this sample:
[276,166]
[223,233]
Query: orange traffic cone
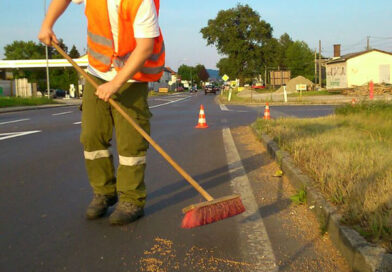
[267,114]
[202,119]
[353,102]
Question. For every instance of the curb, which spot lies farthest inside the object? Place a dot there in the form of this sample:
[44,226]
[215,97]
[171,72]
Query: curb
[15,109]
[361,255]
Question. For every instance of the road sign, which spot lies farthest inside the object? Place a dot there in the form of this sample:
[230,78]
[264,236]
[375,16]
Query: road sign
[225,77]
[301,87]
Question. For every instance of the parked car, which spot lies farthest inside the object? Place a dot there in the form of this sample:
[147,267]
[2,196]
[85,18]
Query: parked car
[258,86]
[54,93]
[59,93]
[179,89]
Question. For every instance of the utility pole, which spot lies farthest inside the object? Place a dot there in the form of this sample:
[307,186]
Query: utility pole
[315,66]
[368,43]
[47,60]
[265,76]
[319,64]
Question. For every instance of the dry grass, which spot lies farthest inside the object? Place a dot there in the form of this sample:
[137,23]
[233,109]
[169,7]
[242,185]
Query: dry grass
[349,157]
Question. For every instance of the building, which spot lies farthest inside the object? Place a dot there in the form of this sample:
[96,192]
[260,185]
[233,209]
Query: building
[359,68]
[168,80]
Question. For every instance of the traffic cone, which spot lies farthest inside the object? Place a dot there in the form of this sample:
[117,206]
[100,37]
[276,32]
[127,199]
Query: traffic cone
[202,119]
[267,114]
[353,102]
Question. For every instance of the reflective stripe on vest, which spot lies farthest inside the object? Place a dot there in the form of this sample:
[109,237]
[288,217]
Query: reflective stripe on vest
[132,161]
[98,154]
[119,62]
[102,58]
[100,39]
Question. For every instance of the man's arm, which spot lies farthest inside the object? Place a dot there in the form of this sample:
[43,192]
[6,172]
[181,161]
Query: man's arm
[56,8]
[134,64]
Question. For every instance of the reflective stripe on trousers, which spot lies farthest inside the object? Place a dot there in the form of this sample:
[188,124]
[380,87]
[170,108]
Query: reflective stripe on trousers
[132,161]
[98,154]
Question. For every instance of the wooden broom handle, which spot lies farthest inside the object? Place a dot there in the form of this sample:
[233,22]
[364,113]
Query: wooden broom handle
[181,171]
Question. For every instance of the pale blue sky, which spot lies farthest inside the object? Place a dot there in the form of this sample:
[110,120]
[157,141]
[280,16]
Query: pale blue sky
[347,22]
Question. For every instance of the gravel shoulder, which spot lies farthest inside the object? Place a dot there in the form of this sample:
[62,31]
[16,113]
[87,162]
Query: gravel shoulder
[293,229]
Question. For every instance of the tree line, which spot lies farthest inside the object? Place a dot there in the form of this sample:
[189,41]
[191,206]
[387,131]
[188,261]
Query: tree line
[60,78]
[195,74]
[246,41]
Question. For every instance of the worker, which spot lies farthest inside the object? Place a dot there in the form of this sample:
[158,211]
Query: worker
[125,52]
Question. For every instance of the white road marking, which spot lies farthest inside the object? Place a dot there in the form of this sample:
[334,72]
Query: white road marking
[174,101]
[14,121]
[254,237]
[77,123]
[4,136]
[61,113]
[162,99]
[223,107]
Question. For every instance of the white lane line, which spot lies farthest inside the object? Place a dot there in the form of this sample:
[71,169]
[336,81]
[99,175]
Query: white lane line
[162,99]
[4,136]
[254,237]
[223,107]
[174,101]
[14,121]
[77,123]
[62,113]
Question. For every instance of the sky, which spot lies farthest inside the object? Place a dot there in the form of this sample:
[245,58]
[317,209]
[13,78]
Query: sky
[345,22]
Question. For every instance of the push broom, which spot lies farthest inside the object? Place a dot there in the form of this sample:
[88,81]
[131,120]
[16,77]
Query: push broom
[196,215]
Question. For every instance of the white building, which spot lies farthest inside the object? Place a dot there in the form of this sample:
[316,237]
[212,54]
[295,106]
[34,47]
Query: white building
[359,68]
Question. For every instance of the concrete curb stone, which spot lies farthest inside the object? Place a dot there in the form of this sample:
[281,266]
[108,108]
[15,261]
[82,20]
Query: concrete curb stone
[361,255]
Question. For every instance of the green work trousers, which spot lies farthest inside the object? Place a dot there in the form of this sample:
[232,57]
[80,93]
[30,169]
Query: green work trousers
[98,120]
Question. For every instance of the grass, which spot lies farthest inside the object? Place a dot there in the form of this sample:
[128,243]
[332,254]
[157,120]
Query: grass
[313,93]
[299,198]
[22,101]
[349,157]
[235,98]
[153,93]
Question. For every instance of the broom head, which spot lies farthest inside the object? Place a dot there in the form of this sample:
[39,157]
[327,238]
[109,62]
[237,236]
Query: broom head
[211,211]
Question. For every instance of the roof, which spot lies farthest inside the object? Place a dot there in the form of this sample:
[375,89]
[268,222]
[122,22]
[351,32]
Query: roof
[168,69]
[41,63]
[346,57]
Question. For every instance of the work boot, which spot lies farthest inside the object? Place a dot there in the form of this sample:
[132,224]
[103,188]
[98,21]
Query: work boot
[99,206]
[125,213]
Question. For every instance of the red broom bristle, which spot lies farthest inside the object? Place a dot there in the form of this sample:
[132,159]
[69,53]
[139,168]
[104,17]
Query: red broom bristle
[211,213]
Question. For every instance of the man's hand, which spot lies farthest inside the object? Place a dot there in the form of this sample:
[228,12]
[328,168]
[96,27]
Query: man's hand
[56,8]
[46,35]
[106,90]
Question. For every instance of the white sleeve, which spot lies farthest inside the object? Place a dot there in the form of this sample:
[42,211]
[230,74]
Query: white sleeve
[146,21]
[77,1]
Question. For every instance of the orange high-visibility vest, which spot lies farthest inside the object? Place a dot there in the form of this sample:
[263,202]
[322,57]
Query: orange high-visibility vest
[101,53]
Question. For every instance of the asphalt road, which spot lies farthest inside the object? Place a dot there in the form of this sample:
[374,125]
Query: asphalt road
[44,192]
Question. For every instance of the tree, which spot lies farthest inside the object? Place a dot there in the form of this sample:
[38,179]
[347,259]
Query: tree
[285,42]
[195,74]
[186,72]
[239,33]
[24,50]
[74,53]
[53,54]
[202,74]
[299,59]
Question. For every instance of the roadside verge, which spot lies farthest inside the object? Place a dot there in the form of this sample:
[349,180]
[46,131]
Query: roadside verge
[361,255]
[47,106]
